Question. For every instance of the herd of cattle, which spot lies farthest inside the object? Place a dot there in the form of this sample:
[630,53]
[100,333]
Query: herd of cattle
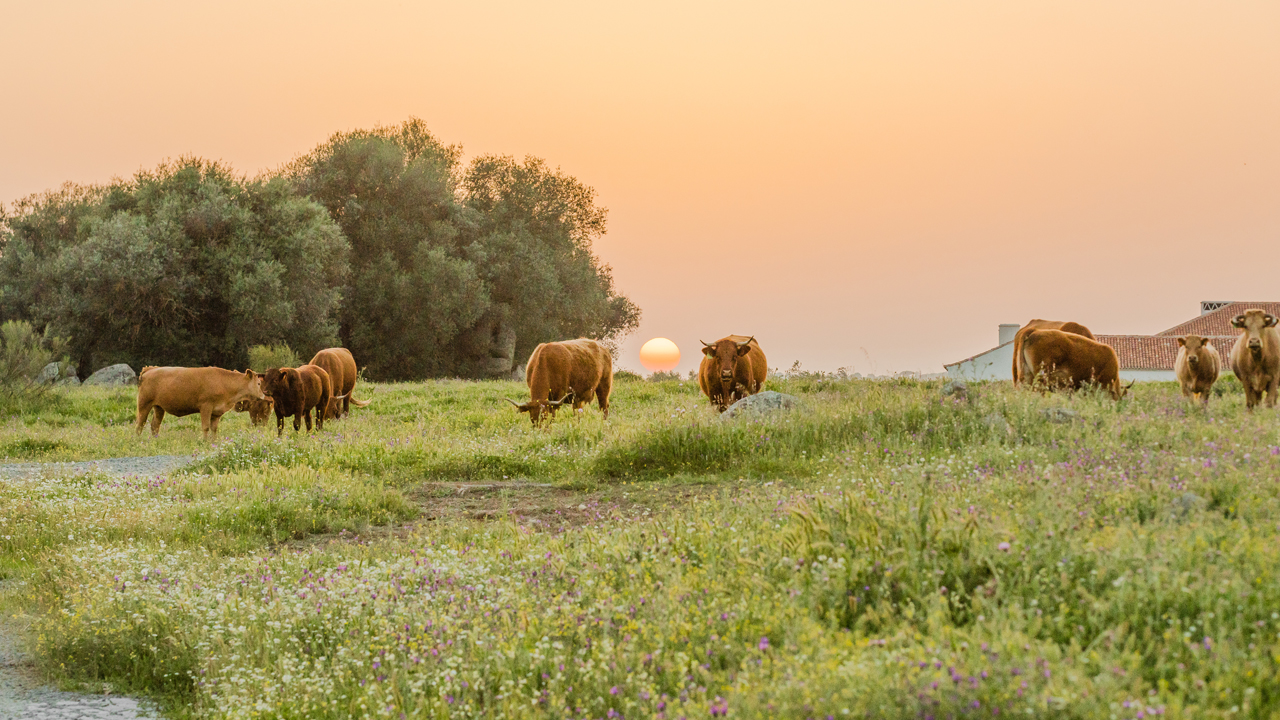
[1065,355]
[573,371]
[1048,354]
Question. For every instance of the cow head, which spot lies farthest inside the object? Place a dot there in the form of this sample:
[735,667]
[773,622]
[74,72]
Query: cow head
[725,353]
[282,385]
[253,382]
[1193,344]
[1253,322]
[536,408]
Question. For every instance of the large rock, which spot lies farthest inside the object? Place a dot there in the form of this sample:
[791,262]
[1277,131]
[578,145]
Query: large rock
[761,403]
[956,388]
[113,375]
[56,373]
[72,381]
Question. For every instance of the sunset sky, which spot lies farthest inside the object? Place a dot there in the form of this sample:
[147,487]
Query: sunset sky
[875,185]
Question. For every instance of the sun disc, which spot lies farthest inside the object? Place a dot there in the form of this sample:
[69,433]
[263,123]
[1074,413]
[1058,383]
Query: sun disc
[659,354]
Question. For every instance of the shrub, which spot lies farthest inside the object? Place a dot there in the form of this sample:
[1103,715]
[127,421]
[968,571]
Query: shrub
[264,357]
[663,375]
[23,354]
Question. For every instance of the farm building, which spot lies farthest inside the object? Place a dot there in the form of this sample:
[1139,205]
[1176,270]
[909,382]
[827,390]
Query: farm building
[1142,357]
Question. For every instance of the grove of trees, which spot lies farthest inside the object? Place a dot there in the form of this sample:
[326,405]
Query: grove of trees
[379,240]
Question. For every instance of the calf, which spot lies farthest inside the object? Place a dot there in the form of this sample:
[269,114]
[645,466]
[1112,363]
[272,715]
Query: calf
[1255,358]
[295,391]
[258,409]
[1196,367]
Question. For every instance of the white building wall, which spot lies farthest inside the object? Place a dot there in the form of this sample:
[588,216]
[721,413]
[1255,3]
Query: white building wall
[1147,375]
[994,364]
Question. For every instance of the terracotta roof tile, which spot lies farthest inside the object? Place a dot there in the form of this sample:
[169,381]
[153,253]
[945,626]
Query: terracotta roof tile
[1155,352]
[1218,322]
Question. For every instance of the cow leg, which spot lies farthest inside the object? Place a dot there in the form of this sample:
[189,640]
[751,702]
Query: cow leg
[155,420]
[143,412]
[297,421]
[206,421]
[214,421]
[1271,391]
[1250,396]
[602,397]
[279,424]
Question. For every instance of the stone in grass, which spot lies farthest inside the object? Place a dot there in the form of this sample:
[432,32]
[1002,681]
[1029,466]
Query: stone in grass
[1060,416]
[55,373]
[113,375]
[996,422]
[1186,504]
[72,381]
[761,403]
[957,388]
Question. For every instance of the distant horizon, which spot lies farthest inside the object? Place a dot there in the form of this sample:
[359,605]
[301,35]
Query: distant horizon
[875,187]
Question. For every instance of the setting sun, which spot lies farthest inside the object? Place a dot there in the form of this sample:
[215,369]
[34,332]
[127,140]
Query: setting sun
[659,354]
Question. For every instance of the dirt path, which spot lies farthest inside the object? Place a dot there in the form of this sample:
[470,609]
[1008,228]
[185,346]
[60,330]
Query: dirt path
[23,696]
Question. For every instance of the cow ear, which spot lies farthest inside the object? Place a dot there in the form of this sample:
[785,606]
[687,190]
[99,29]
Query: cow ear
[1238,321]
[709,351]
[1182,342]
[743,350]
[1271,320]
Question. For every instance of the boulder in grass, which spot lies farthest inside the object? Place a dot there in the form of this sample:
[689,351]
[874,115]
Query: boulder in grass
[55,373]
[761,403]
[1060,416]
[71,381]
[113,375]
[956,388]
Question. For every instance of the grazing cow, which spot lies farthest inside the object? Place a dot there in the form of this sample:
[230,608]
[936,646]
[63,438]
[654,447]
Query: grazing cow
[1196,367]
[1020,374]
[258,409]
[295,391]
[1255,358]
[183,391]
[578,369]
[732,368]
[1064,360]
[341,367]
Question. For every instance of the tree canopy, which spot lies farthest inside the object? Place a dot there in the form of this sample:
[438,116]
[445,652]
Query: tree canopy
[187,264]
[380,240]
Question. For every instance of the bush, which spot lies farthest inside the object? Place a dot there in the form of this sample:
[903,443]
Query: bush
[662,375]
[264,357]
[23,354]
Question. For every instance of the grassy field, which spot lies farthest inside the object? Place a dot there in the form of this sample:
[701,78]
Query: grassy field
[884,551]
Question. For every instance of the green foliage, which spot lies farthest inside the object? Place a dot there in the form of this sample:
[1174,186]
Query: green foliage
[186,264]
[459,273]
[265,357]
[23,354]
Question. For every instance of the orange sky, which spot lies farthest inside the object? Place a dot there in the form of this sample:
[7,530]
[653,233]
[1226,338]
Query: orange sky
[866,184]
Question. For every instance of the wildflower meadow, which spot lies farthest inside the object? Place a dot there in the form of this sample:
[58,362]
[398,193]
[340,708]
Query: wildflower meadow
[883,551]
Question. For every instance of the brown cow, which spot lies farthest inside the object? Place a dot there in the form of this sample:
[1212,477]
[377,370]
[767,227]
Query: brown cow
[1196,367]
[258,409]
[1255,358]
[1019,373]
[732,367]
[183,391]
[1063,360]
[295,391]
[341,367]
[578,369]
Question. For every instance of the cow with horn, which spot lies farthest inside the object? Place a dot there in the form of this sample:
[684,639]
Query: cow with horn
[576,370]
[732,368]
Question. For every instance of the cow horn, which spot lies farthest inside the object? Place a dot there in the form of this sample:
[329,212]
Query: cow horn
[338,397]
[1131,382]
[513,402]
[558,403]
[705,343]
[747,341]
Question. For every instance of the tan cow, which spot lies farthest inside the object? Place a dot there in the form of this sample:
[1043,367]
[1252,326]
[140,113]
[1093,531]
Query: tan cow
[183,391]
[1196,367]
[1020,374]
[557,371]
[295,391]
[341,367]
[1255,358]
[1067,361]
[732,368]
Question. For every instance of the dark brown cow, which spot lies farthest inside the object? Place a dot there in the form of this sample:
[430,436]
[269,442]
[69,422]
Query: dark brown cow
[1196,367]
[732,368]
[557,371]
[1067,361]
[1255,358]
[183,391]
[341,367]
[258,409]
[295,391]
[1019,373]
